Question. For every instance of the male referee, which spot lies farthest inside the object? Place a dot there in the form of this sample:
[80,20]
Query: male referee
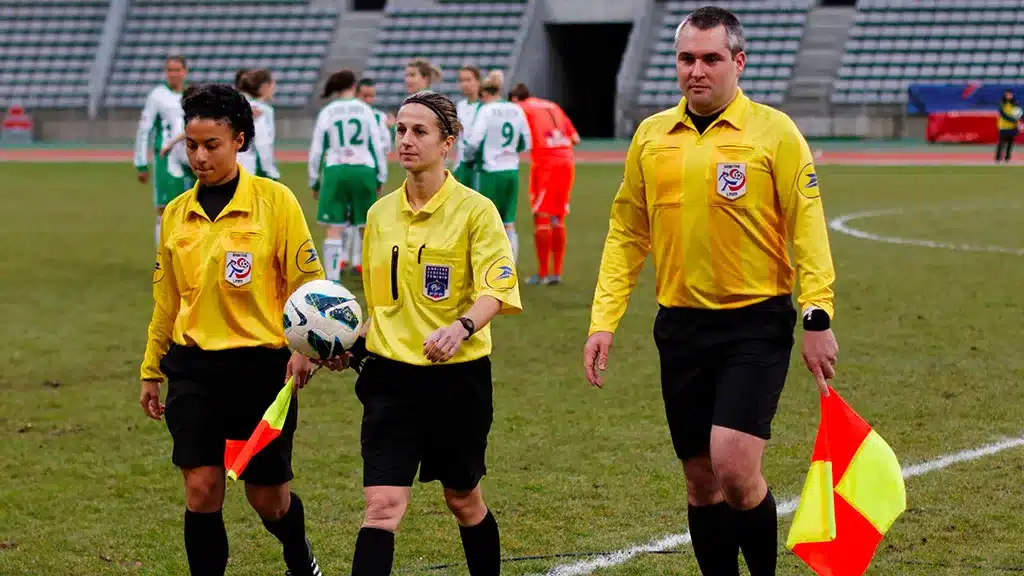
[717,188]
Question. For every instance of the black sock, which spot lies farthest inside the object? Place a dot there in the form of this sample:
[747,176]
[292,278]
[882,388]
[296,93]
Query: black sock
[375,551]
[758,533]
[714,542]
[290,529]
[482,545]
[206,543]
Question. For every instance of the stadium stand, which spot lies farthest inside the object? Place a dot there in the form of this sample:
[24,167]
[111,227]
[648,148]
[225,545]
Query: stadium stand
[895,43]
[449,34]
[773,30]
[47,50]
[290,37]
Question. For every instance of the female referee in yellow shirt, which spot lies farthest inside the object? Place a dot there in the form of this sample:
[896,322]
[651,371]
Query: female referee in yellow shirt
[437,268]
[231,251]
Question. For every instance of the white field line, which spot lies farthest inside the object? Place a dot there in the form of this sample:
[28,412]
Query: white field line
[841,225]
[785,508]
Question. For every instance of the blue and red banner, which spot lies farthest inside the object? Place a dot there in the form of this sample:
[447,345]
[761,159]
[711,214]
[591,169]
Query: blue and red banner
[961,112]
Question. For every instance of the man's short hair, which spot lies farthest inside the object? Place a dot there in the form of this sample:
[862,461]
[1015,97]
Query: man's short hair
[710,17]
[368,82]
[177,58]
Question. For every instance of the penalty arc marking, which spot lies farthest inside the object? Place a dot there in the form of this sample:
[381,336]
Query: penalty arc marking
[842,225]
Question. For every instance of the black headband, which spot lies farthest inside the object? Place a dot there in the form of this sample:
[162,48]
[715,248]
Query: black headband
[434,109]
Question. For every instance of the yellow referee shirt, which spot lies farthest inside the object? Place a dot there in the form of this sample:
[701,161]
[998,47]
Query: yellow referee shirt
[423,270]
[716,210]
[223,284]
[1006,116]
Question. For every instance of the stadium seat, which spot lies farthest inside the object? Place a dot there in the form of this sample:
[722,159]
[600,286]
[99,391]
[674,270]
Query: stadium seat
[773,29]
[47,49]
[452,33]
[929,41]
[290,37]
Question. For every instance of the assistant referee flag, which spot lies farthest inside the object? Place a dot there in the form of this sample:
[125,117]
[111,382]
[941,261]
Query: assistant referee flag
[853,493]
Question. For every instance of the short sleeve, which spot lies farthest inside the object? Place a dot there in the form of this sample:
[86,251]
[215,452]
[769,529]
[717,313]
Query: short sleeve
[296,251]
[494,270]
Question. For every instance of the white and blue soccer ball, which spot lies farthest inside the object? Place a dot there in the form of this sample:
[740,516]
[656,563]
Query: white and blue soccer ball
[322,319]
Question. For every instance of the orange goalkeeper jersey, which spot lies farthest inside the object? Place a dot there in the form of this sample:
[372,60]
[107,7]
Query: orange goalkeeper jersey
[552,131]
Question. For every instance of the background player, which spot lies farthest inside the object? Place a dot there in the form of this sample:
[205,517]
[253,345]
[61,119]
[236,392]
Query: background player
[494,143]
[552,170]
[347,167]
[258,87]
[420,73]
[174,150]
[366,90]
[469,84]
[161,115]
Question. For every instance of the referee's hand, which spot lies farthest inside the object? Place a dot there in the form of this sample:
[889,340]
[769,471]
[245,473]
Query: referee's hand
[595,357]
[149,399]
[444,342]
[820,350]
[300,367]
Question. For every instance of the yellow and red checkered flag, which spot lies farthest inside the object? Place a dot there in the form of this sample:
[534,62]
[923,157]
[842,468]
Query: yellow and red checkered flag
[237,453]
[853,493]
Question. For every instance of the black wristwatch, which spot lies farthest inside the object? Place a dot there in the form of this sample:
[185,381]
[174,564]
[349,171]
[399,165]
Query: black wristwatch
[468,325]
[816,320]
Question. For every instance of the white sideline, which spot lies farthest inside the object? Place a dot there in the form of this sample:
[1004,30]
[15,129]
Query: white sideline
[786,508]
[840,225]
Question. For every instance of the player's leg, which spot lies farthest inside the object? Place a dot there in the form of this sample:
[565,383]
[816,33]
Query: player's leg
[164,190]
[391,442]
[688,391]
[331,213]
[508,202]
[1011,136]
[456,457]
[196,430]
[750,379]
[560,189]
[364,189]
[268,475]
[541,223]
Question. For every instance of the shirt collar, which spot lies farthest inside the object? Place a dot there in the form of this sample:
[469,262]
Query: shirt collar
[449,186]
[241,201]
[735,114]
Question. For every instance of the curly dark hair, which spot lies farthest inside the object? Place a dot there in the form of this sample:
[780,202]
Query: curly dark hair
[221,103]
[442,107]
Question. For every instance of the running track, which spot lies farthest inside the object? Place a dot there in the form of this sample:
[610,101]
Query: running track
[851,157]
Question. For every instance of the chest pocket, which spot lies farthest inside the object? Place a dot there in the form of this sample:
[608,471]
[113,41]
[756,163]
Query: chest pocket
[663,174]
[187,261]
[739,175]
[243,256]
[440,276]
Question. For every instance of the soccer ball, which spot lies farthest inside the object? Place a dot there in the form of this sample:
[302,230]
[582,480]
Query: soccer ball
[322,319]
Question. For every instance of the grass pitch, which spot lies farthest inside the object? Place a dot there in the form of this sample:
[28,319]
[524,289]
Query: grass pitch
[929,355]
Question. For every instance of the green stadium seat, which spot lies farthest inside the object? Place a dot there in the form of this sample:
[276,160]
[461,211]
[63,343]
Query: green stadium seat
[290,37]
[929,41]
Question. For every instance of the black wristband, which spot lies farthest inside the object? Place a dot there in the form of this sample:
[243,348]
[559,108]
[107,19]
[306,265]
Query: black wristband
[469,325]
[358,349]
[816,320]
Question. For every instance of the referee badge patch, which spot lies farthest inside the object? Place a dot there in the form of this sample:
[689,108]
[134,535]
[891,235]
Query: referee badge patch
[731,182]
[238,268]
[437,281]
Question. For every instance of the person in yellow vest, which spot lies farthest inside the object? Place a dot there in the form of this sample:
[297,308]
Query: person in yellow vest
[720,190]
[438,268]
[231,250]
[1008,124]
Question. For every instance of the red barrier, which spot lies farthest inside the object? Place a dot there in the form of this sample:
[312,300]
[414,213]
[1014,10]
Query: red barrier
[978,127]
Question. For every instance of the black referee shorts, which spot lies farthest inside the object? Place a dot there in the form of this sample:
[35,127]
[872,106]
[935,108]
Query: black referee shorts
[723,368]
[435,418]
[213,396]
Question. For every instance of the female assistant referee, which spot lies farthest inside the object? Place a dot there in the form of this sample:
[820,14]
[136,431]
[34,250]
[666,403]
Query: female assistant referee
[231,251]
[438,269]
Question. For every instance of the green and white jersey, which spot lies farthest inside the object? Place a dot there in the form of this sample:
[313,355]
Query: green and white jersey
[497,137]
[467,112]
[347,132]
[259,158]
[382,121]
[160,117]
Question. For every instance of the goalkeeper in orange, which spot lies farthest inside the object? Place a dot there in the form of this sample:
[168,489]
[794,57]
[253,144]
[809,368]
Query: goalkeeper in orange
[552,170]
